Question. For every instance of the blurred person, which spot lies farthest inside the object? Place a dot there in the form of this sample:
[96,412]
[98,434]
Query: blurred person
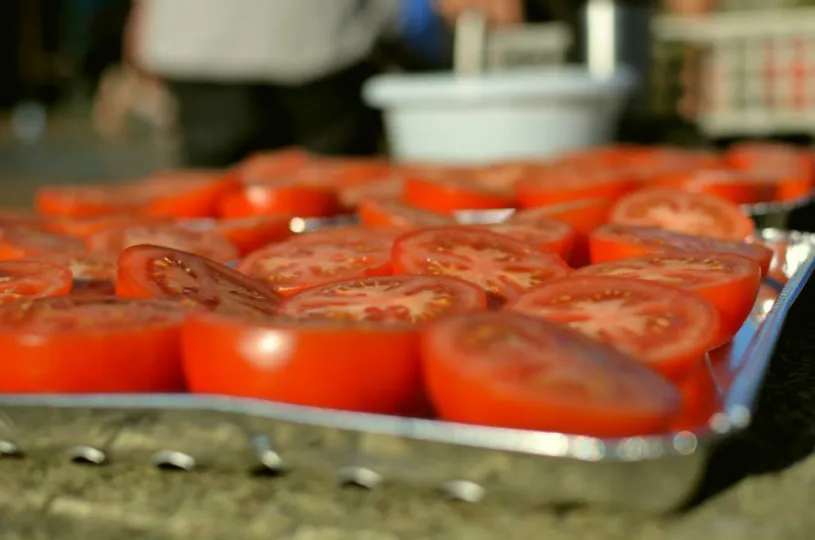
[254,75]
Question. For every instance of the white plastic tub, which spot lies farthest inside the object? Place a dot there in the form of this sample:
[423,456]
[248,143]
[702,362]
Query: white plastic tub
[497,115]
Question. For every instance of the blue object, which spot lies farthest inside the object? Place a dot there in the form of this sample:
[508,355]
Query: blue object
[422,28]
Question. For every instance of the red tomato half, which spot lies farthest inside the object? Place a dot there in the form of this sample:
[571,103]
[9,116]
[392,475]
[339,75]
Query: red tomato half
[86,226]
[729,282]
[547,235]
[662,326]
[507,370]
[90,345]
[247,234]
[280,199]
[19,242]
[502,266]
[379,212]
[88,200]
[313,259]
[389,299]
[187,194]
[206,244]
[169,274]
[454,191]
[680,211]
[615,242]
[735,186]
[93,273]
[567,184]
[700,399]
[371,368]
[32,279]
[793,168]
[270,166]
[387,189]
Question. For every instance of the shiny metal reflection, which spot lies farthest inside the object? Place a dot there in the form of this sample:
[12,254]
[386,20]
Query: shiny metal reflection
[359,476]
[172,460]
[464,490]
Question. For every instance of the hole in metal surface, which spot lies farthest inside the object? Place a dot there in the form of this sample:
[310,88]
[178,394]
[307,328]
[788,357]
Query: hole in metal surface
[359,477]
[464,490]
[170,460]
[10,450]
[86,455]
[271,464]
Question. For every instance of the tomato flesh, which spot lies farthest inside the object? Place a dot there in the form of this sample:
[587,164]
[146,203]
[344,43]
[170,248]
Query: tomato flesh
[32,279]
[664,327]
[451,192]
[568,184]
[506,370]
[502,266]
[18,242]
[90,345]
[547,235]
[375,212]
[391,299]
[204,243]
[168,274]
[92,273]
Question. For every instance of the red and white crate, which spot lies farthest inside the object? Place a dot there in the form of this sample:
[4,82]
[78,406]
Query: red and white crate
[757,70]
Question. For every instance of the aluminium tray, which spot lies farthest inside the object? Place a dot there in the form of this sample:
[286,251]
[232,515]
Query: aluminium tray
[186,432]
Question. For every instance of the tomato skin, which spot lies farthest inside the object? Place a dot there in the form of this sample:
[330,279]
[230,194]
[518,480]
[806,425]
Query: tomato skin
[148,355]
[490,385]
[246,234]
[421,252]
[638,209]
[188,193]
[450,194]
[390,213]
[614,242]
[288,199]
[733,297]
[135,278]
[582,216]
[89,200]
[700,399]
[693,320]
[32,279]
[354,367]
[792,168]
[565,185]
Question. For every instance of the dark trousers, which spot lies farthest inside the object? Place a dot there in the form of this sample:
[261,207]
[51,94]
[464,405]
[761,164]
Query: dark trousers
[221,124]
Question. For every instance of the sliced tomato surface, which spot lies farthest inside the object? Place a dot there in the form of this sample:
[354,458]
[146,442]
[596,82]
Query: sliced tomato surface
[567,184]
[169,274]
[614,242]
[547,235]
[270,166]
[506,370]
[691,213]
[502,266]
[387,189]
[283,198]
[792,168]
[321,257]
[738,187]
[91,200]
[346,172]
[582,216]
[32,279]
[92,273]
[379,212]
[453,191]
[84,227]
[204,243]
[390,299]
[247,234]
[729,282]
[91,345]
[188,193]
[663,326]
[19,242]
[364,367]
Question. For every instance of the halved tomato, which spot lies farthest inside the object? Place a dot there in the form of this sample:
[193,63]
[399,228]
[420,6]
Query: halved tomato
[502,266]
[568,184]
[321,257]
[169,274]
[792,168]
[729,282]
[379,212]
[662,326]
[85,226]
[388,188]
[346,171]
[90,345]
[91,200]
[11,216]
[615,242]
[187,193]
[700,399]
[247,234]
[20,242]
[93,273]
[454,191]
[362,367]
[737,187]
[506,370]
[680,211]
[283,198]
[204,243]
[389,299]
[582,216]
[270,166]
[547,235]
[32,279]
